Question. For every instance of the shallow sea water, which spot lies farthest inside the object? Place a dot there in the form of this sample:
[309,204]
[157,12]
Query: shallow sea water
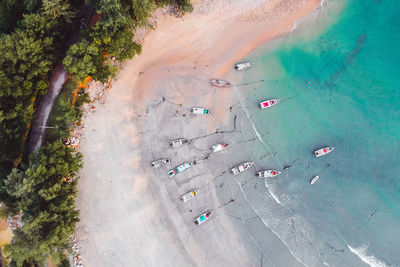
[338,77]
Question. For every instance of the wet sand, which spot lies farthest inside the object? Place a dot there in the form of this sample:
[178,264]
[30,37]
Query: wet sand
[131,214]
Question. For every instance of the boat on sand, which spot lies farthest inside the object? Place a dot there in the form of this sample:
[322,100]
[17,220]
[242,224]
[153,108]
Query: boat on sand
[200,111]
[178,142]
[268,173]
[202,218]
[242,167]
[323,151]
[159,163]
[190,195]
[219,147]
[179,169]
[219,83]
[269,103]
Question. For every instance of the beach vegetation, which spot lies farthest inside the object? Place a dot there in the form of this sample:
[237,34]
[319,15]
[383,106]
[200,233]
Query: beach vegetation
[44,193]
[66,112]
[28,56]
[42,187]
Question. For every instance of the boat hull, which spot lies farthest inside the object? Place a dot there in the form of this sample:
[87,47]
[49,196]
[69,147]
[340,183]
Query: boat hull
[268,173]
[178,142]
[314,179]
[243,66]
[219,147]
[190,195]
[179,169]
[159,163]
[220,83]
[203,218]
[242,167]
[323,151]
[269,103]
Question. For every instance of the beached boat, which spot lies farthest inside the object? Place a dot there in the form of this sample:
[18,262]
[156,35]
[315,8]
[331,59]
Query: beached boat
[219,83]
[202,218]
[323,151]
[190,195]
[243,65]
[219,147]
[314,179]
[178,142]
[242,167]
[200,111]
[269,103]
[268,173]
[179,169]
[160,162]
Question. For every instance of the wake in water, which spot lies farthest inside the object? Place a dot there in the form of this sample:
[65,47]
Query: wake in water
[371,260]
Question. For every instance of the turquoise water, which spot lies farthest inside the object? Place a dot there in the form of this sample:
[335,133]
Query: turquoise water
[339,79]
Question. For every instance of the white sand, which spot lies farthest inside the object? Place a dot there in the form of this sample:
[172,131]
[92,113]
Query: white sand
[131,214]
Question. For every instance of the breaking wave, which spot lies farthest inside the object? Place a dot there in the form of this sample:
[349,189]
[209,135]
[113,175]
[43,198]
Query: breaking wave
[275,197]
[371,260]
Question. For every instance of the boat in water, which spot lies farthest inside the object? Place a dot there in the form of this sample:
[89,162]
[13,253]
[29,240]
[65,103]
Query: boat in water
[200,111]
[178,142]
[314,179]
[243,65]
[179,169]
[190,195]
[268,173]
[219,83]
[219,147]
[242,167]
[202,218]
[159,163]
[323,151]
[269,103]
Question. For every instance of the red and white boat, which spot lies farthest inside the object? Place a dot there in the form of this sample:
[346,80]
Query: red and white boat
[219,147]
[242,167]
[219,83]
[269,103]
[268,173]
[323,151]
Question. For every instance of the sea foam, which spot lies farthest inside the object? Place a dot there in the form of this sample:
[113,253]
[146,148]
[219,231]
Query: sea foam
[371,260]
[275,197]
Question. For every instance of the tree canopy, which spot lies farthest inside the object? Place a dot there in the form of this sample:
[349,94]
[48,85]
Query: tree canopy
[45,195]
[32,41]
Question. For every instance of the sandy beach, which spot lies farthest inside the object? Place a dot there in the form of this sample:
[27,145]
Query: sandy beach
[131,214]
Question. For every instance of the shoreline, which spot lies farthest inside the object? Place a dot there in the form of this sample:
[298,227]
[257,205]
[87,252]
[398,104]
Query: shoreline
[122,202]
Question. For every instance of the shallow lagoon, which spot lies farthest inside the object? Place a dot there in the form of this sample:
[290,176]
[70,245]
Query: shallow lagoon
[339,82]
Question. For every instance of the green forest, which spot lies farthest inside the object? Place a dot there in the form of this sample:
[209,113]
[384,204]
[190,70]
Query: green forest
[42,186]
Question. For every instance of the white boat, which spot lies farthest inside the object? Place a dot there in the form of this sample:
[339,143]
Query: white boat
[219,83]
[268,173]
[243,65]
[242,167]
[323,151]
[190,195]
[200,111]
[178,142]
[219,147]
[160,162]
[269,103]
[179,169]
[314,179]
[202,218]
